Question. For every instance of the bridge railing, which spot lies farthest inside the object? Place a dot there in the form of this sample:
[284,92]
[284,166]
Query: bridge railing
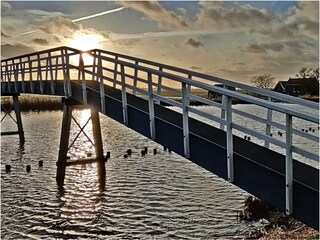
[160,83]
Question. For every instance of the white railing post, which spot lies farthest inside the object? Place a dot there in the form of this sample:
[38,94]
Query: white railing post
[189,89]
[229,138]
[23,76]
[66,73]
[151,108]
[63,62]
[101,83]
[82,77]
[16,76]
[159,85]
[185,119]
[115,71]
[289,164]
[3,77]
[135,79]
[224,106]
[57,68]
[8,68]
[39,77]
[268,125]
[124,96]
[94,65]
[31,76]
[53,89]
[47,67]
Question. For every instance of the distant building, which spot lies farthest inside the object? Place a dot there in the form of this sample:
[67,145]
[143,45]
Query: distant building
[298,87]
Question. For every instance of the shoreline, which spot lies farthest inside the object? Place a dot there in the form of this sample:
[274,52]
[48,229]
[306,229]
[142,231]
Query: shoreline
[53,103]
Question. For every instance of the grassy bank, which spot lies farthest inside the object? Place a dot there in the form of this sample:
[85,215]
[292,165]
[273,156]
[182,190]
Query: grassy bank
[34,103]
[276,225]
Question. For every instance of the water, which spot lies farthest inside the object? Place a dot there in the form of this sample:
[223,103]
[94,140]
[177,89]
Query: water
[277,117]
[151,197]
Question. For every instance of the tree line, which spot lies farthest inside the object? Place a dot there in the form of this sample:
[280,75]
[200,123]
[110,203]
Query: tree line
[266,80]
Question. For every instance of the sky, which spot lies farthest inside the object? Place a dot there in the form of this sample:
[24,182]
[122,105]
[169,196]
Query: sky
[235,40]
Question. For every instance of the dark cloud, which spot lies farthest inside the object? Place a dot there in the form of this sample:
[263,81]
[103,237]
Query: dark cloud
[3,34]
[193,43]
[196,68]
[263,48]
[41,41]
[126,42]
[8,50]
[167,19]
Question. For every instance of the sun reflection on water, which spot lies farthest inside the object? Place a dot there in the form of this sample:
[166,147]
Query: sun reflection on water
[83,185]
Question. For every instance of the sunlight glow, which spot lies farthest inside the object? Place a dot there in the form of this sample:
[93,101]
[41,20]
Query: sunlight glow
[85,42]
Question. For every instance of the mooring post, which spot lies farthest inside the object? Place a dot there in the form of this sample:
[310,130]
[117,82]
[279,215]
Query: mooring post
[64,142]
[96,129]
[16,105]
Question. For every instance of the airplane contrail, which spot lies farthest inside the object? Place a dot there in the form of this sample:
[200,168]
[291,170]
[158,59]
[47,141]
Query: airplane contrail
[162,34]
[98,14]
[84,18]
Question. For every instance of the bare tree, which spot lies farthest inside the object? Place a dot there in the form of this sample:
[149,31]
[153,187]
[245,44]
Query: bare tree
[304,72]
[263,80]
[315,73]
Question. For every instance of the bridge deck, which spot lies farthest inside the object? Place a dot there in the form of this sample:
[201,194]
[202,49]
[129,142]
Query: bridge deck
[258,170]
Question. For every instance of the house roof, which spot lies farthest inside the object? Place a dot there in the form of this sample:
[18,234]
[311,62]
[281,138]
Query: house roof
[309,84]
[303,81]
[282,83]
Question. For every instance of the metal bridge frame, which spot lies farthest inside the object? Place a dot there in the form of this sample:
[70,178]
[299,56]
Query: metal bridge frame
[149,80]
[18,120]
[68,106]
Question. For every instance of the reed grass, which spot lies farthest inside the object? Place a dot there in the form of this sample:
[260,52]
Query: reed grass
[34,103]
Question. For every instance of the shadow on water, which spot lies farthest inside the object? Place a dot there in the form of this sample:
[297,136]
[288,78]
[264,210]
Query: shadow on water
[81,192]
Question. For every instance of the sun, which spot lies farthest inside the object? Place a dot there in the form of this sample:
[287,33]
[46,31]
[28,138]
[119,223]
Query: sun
[85,42]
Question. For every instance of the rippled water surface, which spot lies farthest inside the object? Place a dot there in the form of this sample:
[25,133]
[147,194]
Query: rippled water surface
[163,196]
[151,197]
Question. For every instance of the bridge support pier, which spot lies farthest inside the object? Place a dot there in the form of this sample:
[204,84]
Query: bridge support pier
[18,120]
[65,137]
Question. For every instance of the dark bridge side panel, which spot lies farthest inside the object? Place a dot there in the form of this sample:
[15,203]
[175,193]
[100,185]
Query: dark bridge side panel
[257,170]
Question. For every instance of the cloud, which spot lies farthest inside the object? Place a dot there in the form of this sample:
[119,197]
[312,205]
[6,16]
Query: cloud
[8,50]
[152,9]
[292,47]
[221,15]
[193,43]
[5,7]
[60,25]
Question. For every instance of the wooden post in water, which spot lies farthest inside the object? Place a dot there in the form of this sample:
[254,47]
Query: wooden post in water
[18,118]
[96,129]
[64,142]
